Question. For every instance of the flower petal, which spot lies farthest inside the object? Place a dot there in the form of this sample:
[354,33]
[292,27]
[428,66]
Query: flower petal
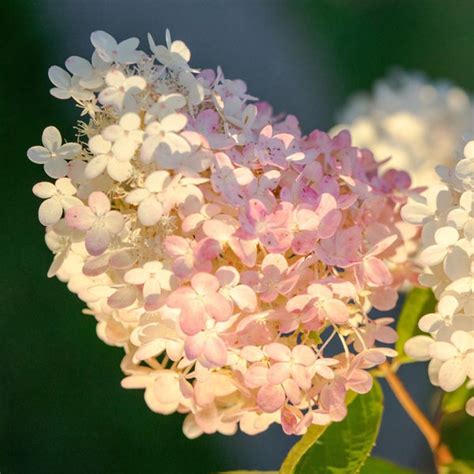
[271,398]
[452,375]
[433,255]
[114,222]
[44,190]
[278,373]
[122,298]
[56,168]
[79,66]
[457,264]
[104,44]
[51,138]
[430,322]
[418,347]
[69,150]
[218,307]
[38,154]
[50,212]
[443,350]
[446,236]
[97,240]
[119,170]
[303,355]
[99,203]
[204,283]
[215,352]
[155,182]
[244,297]
[80,217]
[59,77]
[278,352]
[136,276]
[96,166]
[463,341]
[192,319]
[99,145]
[336,311]
[124,149]
[150,211]
[377,272]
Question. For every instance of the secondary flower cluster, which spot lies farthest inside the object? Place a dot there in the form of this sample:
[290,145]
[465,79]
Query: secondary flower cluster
[234,259]
[415,121]
[446,213]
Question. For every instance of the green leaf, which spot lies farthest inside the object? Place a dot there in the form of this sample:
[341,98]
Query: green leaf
[379,466]
[306,442]
[249,472]
[458,467]
[315,337]
[457,431]
[418,302]
[343,447]
[456,401]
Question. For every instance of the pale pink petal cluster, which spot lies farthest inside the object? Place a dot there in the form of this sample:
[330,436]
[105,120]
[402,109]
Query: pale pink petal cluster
[445,211]
[232,257]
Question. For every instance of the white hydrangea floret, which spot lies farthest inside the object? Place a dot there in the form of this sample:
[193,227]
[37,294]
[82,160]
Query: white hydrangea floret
[446,214]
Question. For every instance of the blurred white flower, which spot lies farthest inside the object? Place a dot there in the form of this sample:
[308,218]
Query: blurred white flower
[416,122]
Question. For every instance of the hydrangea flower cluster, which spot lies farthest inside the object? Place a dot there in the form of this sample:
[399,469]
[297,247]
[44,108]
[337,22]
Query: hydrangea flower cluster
[415,121]
[446,213]
[234,259]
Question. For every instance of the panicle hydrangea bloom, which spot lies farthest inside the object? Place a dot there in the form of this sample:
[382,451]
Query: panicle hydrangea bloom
[415,121]
[234,259]
[446,213]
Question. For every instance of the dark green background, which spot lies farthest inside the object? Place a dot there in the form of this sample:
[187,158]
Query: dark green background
[61,405]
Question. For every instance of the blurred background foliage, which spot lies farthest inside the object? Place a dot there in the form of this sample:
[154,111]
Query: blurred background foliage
[61,405]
